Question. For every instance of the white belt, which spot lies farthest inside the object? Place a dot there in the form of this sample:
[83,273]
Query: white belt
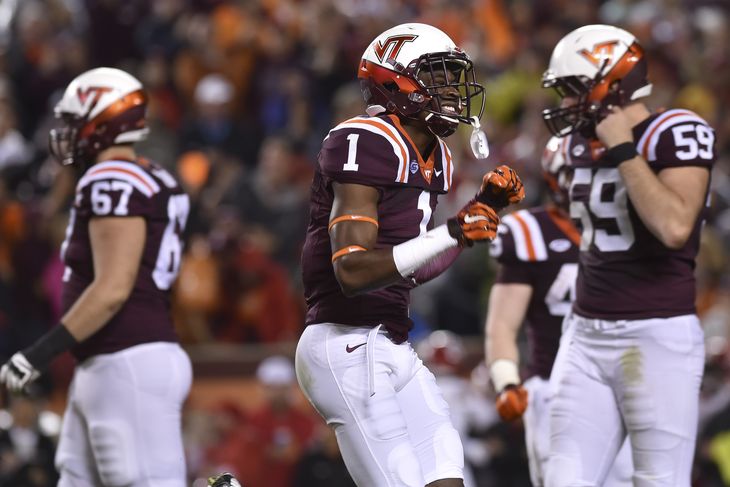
[370,357]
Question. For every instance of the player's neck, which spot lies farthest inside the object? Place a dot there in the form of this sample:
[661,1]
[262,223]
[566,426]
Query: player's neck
[424,140]
[117,152]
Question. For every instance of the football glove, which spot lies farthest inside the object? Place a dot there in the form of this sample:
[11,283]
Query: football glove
[476,222]
[18,372]
[501,188]
[223,480]
[512,402]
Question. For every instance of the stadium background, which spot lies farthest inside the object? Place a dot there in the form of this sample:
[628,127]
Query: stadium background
[241,95]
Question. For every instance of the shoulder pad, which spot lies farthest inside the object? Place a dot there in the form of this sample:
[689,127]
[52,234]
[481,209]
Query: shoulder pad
[116,188]
[527,236]
[365,150]
[677,138]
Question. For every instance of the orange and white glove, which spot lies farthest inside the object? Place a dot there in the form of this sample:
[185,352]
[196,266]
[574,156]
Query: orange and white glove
[476,222]
[500,188]
[512,402]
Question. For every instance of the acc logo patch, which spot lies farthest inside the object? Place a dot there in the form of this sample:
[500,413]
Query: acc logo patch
[559,245]
[413,166]
[578,150]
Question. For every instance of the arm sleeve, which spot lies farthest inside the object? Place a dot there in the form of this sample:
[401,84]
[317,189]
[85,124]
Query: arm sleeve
[435,267]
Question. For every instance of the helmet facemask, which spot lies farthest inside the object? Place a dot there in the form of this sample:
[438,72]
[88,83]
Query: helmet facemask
[62,141]
[581,116]
[449,81]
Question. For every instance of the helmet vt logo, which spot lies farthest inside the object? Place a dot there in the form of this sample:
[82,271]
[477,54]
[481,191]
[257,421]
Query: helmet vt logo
[601,51]
[90,96]
[381,48]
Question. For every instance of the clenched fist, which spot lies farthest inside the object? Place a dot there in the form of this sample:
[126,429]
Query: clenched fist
[500,188]
[512,402]
[476,222]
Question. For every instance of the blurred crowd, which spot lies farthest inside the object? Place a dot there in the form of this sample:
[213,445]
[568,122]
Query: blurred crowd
[242,93]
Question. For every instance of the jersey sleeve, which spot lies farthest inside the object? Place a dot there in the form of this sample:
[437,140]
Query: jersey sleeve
[116,189]
[511,269]
[678,138]
[363,152]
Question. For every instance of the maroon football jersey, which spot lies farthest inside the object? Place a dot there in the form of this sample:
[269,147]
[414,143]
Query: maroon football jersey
[625,271]
[122,189]
[377,152]
[539,247]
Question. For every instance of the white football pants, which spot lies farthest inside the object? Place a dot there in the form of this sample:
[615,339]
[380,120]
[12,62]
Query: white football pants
[635,377]
[122,425]
[537,438]
[391,421]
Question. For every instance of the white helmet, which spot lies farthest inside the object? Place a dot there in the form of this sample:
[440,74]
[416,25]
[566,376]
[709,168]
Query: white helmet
[415,68]
[601,65]
[100,108]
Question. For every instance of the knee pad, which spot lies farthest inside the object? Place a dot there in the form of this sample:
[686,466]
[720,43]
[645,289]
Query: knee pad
[114,453]
[562,471]
[403,466]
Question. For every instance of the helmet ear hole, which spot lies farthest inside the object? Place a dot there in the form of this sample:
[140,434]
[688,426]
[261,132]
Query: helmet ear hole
[391,86]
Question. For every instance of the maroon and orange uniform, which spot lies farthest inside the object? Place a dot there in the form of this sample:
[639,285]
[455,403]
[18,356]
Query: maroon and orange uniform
[128,189]
[376,152]
[539,247]
[626,273]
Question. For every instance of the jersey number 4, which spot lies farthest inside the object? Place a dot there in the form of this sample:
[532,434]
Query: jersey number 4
[562,291]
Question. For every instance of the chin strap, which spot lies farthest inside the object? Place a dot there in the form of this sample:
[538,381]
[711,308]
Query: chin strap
[440,125]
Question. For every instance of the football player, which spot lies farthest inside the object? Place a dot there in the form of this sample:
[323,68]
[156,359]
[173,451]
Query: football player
[634,363]
[122,253]
[537,251]
[371,238]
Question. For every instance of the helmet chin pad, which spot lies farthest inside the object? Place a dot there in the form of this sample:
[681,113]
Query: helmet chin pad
[440,125]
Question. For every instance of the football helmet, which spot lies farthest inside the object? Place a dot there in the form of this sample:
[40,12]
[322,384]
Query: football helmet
[223,480]
[600,66]
[100,108]
[414,70]
[556,172]
[443,351]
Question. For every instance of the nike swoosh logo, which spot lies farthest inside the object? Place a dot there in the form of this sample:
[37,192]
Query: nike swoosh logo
[474,219]
[438,173]
[350,349]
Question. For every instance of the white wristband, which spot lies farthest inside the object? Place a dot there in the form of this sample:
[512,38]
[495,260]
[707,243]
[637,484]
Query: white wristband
[414,253]
[503,373]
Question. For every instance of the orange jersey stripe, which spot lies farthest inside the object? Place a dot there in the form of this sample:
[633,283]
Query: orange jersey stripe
[405,135]
[124,171]
[528,237]
[387,129]
[645,150]
[449,164]
[354,218]
[565,225]
[347,250]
